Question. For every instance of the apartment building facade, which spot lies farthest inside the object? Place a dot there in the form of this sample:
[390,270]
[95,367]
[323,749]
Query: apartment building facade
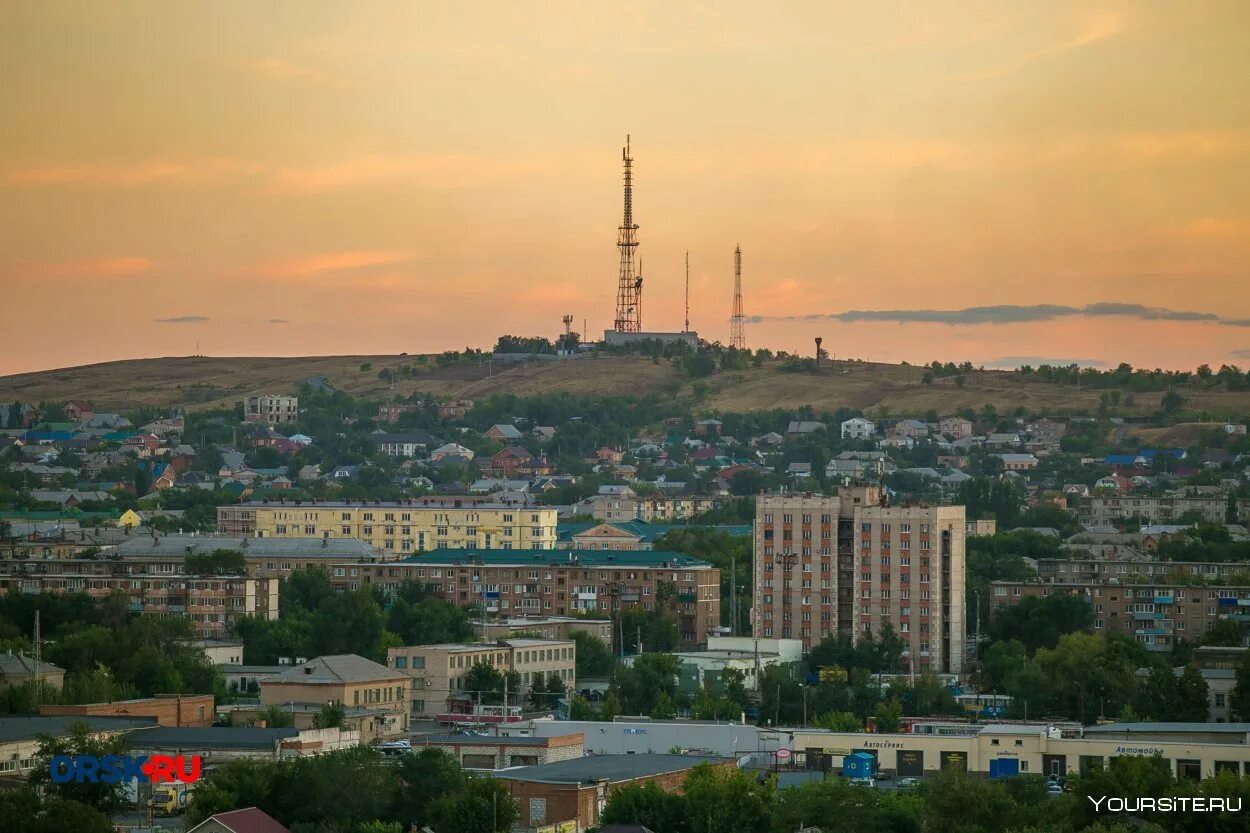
[1154,614]
[628,506]
[212,603]
[375,697]
[438,672]
[397,526]
[1107,510]
[558,583]
[265,557]
[271,409]
[849,563]
[1137,570]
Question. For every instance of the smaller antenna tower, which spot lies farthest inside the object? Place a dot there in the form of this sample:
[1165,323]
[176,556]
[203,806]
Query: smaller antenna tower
[819,352]
[568,324]
[737,330]
[687,292]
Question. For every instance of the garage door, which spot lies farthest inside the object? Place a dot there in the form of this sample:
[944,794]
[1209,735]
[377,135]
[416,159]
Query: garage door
[910,762]
[478,762]
[953,761]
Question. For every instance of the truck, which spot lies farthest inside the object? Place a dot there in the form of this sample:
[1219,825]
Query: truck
[171,799]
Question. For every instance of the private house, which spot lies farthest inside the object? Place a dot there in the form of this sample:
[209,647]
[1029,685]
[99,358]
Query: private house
[858,428]
[503,433]
[508,462]
[19,669]
[451,450]
[271,409]
[955,427]
[411,444]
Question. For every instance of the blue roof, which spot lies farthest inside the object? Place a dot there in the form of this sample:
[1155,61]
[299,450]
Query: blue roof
[1120,459]
[47,436]
[648,532]
[1151,453]
[557,558]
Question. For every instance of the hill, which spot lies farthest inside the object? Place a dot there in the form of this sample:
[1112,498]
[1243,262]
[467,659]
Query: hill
[882,389]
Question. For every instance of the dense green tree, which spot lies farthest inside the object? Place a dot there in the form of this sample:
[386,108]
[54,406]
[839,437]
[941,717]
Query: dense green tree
[594,657]
[1040,621]
[483,805]
[80,740]
[642,685]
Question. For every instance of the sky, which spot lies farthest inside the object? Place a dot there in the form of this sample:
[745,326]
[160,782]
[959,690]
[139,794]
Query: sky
[998,182]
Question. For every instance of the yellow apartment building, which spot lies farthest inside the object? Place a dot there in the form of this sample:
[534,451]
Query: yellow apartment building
[397,526]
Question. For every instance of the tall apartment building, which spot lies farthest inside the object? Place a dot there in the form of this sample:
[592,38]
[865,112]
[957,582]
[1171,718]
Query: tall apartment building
[397,526]
[849,563]
[271,410]
[1106,510]
[438,671]
[1154,614]
[212,603]
[558,583]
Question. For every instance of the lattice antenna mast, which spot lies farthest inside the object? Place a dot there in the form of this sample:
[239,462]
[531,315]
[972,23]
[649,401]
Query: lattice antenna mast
[687,292]
[737,328]
[629,283]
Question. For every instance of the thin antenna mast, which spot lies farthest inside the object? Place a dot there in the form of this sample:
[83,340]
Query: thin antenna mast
[737,329]
[687,292]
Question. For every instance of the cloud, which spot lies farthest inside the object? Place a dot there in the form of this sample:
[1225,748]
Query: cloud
[1096,25]
[182,319]
[303,267]
[277,321]
[1010,314]
[94,267]
[197,171]
[1013,362]
[1240,354]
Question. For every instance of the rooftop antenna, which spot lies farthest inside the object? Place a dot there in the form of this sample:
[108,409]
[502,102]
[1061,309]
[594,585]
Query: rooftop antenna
[687,292]
[737,332]
[568,324]
[629,284]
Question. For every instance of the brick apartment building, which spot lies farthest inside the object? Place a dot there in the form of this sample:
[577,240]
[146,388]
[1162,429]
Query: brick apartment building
[438,671]
[1103,570]
[1154,614]
[212,603]
[265,557]
[849,563]
[397,526]
[558,583]
[165,709]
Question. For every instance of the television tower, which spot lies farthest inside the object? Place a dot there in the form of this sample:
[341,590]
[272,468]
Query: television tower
[629,284]
[737,332]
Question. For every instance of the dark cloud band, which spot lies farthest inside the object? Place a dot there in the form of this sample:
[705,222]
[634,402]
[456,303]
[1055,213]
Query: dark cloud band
[1010,314]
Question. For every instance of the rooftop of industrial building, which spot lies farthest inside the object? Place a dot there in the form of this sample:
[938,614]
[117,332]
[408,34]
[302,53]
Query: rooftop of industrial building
[145,546]
[26,727]
[613,768]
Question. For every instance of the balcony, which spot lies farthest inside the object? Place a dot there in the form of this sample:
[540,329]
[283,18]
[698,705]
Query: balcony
[1164,600]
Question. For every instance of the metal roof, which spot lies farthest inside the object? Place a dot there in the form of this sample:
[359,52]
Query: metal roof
[144,546]
[613,768]
[336,668]
[1176,728]
[210,737]
[26,727]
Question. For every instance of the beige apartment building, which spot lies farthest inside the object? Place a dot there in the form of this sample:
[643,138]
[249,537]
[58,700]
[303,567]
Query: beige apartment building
[271,409]
[396,526]
[212,603]
[265,557]
[558,583]
[627,506]
[850,563]
[437,672]
[366,690]
[1156,614]
[1106,510]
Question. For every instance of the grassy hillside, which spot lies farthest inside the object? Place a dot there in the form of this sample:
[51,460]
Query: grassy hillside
[202,382]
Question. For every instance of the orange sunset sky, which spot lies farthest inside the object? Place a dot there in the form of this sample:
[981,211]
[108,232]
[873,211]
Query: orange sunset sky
[988,181]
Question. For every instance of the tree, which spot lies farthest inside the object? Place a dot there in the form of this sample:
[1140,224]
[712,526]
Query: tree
[648,805]
[889,716]
[1192,705]
[1040,621]
[721,801]
[642,685]
[594,657]
[839,722]
[329,717]
[425,776]
[217,562]
[80,740]
[275,717]
[1239,698]
[484,805]
[1171,402]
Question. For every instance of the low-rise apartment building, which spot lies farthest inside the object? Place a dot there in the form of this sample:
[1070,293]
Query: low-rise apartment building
[544,627]
[850,563]
[376,696]
[397,526]
[271,409]
[1137,570]
[558,582]
[1106,510]
[265,557]
[438,672]
[624,505]
[1154,614]
[212,603]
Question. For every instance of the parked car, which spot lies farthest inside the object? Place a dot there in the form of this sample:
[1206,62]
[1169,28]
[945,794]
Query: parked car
[1054,789]
[864,782]
[908,784]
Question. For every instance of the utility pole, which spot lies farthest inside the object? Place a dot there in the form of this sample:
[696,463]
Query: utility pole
[687,292]
[38,657]
[733,596]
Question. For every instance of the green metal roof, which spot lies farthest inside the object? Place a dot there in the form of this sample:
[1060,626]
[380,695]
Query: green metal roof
[556,558]
[648,532]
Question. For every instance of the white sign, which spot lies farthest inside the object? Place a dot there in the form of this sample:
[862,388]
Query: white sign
[782,754]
